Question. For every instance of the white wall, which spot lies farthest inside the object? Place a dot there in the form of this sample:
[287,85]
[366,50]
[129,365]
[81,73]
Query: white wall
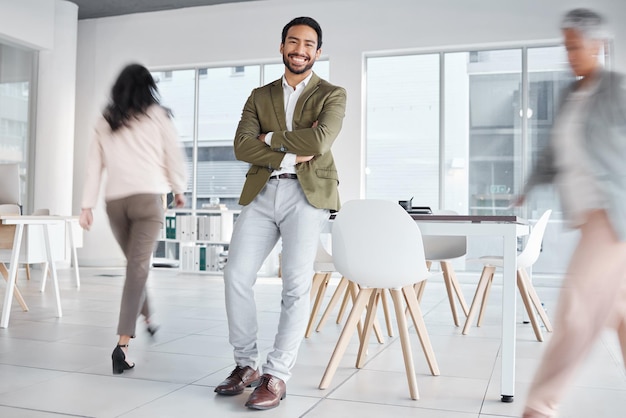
[28,23]
[49,27]
[250,32]
[56,95]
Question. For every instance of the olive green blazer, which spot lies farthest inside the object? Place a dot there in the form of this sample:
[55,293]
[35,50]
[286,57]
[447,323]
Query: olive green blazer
[264,112]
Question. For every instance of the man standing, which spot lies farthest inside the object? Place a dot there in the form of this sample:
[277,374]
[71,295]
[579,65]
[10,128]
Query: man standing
[286,131]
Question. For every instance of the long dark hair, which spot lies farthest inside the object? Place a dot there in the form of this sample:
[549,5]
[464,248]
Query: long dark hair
[133,92]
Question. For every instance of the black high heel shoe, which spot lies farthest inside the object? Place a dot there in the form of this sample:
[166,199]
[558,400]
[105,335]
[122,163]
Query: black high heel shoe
[152,329]
[119,360]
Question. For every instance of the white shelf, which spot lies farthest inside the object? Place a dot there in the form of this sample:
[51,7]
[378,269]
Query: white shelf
[191,223]
[172,240]
[200,211]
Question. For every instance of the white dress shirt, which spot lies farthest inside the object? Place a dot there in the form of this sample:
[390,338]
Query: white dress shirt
[290,98]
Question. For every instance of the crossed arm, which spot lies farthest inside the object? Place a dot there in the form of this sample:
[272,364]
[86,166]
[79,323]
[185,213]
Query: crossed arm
[305,143]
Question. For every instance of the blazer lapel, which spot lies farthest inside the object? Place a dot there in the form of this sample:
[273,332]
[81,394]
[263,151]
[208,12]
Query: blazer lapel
[310,88]
[278,103]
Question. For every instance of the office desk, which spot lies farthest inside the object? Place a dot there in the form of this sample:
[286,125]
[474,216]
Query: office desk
[509,228]
[46,222]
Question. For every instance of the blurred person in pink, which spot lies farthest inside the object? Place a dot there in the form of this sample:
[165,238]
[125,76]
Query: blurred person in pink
[136,144]
[586,159]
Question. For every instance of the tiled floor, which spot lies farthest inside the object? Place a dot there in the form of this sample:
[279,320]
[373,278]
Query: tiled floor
[52,367]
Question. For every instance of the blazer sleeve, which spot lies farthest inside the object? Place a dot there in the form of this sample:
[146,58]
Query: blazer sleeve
[544,170]
[247,147]
[317,140]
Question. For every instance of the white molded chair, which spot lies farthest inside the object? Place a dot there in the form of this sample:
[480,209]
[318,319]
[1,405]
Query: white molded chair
[10,190]
[378,246]
[324,268]
[442,249]
[525,259]
[7,236]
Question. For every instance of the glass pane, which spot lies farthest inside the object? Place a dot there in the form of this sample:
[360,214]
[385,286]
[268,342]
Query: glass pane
[402,133]
[495,141]
[177,90]
[16,78]
[548,74]
[273,72]
[223,92]
[483,137]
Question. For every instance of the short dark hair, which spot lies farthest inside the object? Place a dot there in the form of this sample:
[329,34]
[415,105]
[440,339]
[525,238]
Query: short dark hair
[308,21]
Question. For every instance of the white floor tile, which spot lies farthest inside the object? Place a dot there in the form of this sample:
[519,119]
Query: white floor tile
[56,367]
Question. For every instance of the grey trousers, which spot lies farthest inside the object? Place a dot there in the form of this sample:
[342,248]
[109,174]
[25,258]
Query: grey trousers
[280,210]
[136,222]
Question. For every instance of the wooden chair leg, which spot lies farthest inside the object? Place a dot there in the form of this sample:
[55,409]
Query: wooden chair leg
[396,296]
[344,303]
[354,290]
[483,304]
[420,327]
[372,307]
[320,283]
[478,296]
[387,313]
[456,286]
[16,292]
[449,290]
[536,301]
[377,331]
[421,286]
[341,290]
[419,289]
[344,338]
[523,290]
[27,267]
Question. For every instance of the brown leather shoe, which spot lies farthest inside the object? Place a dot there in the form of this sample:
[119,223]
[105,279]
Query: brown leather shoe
[268,394]
[239,379]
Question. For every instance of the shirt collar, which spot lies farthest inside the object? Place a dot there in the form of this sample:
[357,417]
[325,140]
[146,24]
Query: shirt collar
[303,83]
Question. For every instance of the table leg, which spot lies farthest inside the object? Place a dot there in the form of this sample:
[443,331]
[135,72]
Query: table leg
[8,296]
[53,269]
[74,258]
[507,383]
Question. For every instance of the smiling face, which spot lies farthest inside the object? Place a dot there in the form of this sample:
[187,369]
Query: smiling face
[582,53]
[300,49]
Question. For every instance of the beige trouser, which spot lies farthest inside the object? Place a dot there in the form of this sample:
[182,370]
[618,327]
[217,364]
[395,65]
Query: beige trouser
[136,222]
[593,296]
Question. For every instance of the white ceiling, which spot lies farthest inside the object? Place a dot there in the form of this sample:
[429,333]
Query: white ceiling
[89,9]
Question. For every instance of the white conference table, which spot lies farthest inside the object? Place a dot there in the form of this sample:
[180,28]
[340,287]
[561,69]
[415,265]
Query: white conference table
[509,228]
[20,222]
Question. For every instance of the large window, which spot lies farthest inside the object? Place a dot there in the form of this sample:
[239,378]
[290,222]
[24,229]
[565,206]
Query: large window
[207,104]
[403,128]
[17,69]
[460,130]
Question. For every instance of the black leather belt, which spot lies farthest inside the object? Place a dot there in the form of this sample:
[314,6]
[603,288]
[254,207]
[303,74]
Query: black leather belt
[285,176]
